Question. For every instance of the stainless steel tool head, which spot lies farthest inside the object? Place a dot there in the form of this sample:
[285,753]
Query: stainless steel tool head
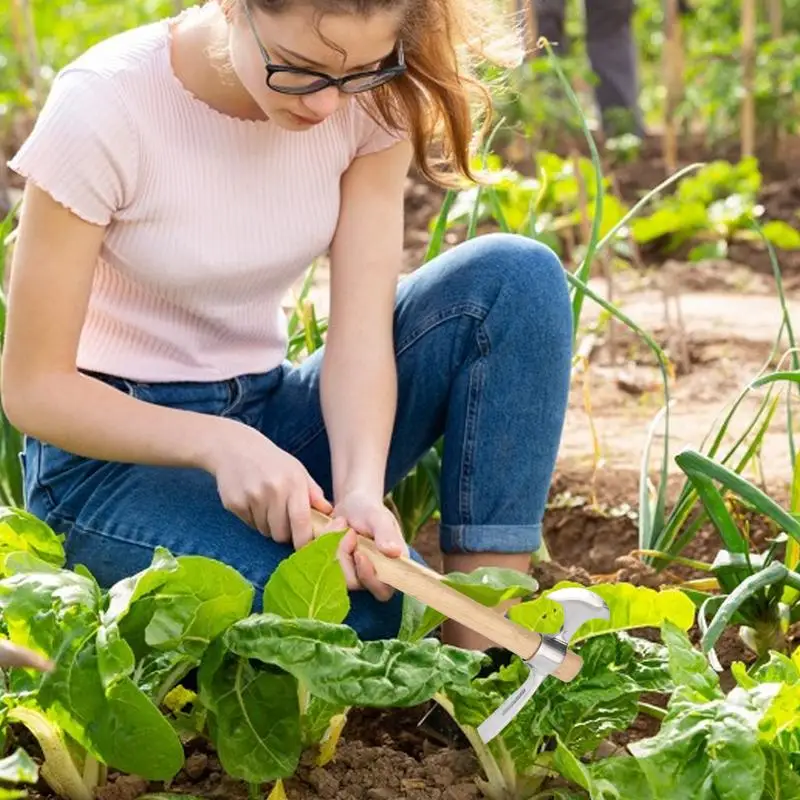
[579,605]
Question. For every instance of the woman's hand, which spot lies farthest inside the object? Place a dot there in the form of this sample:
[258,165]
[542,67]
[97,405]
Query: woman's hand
[369,517]
[263,485]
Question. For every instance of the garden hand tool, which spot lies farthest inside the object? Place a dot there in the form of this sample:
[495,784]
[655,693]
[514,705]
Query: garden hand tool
[544,654]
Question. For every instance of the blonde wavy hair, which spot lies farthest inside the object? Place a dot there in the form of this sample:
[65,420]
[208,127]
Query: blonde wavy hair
[441,101]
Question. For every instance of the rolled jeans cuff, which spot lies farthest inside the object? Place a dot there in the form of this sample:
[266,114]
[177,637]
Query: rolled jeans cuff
[490,538]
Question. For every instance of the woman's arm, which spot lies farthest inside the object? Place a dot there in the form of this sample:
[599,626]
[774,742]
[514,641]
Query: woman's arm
[359,377]
[359,380]
[44,394]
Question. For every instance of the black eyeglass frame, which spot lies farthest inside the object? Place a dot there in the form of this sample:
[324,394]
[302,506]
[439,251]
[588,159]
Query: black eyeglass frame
[387,73]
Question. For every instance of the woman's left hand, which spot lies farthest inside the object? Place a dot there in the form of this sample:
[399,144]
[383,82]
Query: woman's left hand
[369,517]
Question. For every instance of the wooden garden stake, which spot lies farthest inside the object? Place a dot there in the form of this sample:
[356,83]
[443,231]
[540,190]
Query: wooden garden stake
[775,12]
[673,80]
[748,28]
[23,11]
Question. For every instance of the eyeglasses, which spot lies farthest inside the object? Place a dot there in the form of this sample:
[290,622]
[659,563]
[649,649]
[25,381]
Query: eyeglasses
[299,80]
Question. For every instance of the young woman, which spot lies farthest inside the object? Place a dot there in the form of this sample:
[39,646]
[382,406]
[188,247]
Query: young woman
[181,177]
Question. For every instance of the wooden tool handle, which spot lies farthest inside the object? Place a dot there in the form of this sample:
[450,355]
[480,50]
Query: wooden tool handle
[426,585]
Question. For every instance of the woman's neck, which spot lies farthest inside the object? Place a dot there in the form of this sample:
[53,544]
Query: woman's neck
[199,57]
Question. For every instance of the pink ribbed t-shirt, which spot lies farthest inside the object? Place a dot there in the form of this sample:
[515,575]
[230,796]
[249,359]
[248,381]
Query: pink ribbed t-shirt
[210,219]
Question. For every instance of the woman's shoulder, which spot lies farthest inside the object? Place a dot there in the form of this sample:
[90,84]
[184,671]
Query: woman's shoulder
[84,146]
[122,62]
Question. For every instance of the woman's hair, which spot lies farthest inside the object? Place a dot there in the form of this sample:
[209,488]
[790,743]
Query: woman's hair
[440,97]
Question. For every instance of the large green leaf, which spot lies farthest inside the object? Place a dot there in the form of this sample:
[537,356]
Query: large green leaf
[630,606]
[598,787]
[782,235]
[332,663]
[310,583]
[688,667]
[710,745]
[22,531]
[179,603]
[780,724]
[781,782]
[253,716]
[601,700]
[58,613]
[163,618]
[488,586]
[621,778]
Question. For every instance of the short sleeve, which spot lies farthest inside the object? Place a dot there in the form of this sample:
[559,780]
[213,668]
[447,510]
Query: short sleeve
[82,149]
[372,136]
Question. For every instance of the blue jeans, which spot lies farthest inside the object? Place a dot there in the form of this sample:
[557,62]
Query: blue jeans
[483,348]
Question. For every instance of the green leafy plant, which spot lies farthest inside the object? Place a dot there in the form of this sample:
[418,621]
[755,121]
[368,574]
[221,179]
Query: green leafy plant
[711,744]
[715,206]
[563,722]
[758,592]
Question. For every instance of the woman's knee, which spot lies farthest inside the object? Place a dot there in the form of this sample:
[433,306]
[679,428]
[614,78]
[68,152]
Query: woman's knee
[510,258]
[522,274]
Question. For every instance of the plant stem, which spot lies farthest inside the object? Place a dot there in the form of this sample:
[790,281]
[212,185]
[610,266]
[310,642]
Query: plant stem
[59,769]
[498,787]
[655,712]
[254,791]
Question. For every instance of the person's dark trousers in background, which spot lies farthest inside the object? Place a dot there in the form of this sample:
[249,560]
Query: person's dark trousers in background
[612,55]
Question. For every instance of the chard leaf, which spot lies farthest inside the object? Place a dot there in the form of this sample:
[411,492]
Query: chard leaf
[630,606]
[412,628]
[253,716]
[58,613]
[316,719]
[18,767]
[332,663]
[647,664]
[779,669]
[163,618]
[688,667]
[178,603]
[709,746]
[474,702]
[781,782]
[601,700]
[22,531]
[780,725]
[621,777]
[41,610]
[567,764]
[117,723]
[489,586]
[310,583]
[600,706]
[705,750]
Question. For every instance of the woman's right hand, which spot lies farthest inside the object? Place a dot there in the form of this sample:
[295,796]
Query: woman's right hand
[262,484]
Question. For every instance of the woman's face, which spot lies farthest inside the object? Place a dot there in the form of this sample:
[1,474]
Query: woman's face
[290,38]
